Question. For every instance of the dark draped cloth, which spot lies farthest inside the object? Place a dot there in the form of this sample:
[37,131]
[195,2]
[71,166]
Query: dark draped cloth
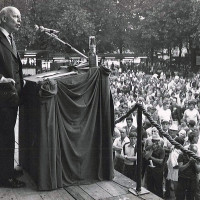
[75,134]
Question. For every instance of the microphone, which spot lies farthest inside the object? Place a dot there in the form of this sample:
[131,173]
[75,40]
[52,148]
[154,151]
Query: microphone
[42,29]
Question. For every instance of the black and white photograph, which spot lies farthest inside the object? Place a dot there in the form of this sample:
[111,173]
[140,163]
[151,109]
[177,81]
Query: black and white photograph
[99,99]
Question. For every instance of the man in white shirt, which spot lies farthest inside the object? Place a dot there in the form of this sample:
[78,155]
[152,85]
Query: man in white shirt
[191,113]
[129,127]
[117,147]
[173,83]
[165,112]
[129,155]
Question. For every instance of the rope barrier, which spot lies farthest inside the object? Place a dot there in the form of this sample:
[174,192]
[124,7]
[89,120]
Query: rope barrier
[126,115]
[166,135]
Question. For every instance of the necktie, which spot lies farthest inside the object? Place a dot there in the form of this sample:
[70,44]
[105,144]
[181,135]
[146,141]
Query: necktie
[13,44]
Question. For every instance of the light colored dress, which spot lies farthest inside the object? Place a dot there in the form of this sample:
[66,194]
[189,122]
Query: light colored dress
[171,163]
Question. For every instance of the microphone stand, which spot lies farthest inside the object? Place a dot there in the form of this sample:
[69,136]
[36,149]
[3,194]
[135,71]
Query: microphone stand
[65,43]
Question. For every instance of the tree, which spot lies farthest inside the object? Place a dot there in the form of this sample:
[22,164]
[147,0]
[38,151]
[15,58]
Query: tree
[144,27]
[166,24]
[67,16]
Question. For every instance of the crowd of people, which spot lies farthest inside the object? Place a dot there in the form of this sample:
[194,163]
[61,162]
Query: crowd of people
[172,99]
[174,103]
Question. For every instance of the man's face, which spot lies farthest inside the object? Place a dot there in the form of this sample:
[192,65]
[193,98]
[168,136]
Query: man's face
[155,144]
[117,115]
[165,126]
[196,138]
[125,107]
[173,133]
[12,20]
[182,135]
[123,133]
[158,93]
[176,80]
[133,140]
[165,106]
[129,122]
[174,101]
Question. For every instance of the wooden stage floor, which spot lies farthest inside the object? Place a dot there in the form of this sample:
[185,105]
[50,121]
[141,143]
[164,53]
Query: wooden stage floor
[108,190]
[117,189]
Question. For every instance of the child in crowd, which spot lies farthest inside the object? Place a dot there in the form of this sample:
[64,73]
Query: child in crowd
[129,156]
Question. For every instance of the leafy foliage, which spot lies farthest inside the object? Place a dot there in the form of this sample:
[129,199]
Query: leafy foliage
[141,26]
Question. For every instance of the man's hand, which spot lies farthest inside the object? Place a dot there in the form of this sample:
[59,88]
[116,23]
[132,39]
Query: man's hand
[7,80]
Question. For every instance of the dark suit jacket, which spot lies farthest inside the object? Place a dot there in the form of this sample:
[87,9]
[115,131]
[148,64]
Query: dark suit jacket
[10,63]
[132,129]
[176,113]
[10,67]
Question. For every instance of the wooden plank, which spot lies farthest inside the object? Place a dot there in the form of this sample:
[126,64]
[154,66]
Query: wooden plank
[29,197]
[7,194]
[128,183]
[115,190]
[126,197]
[78,193]
[29,190]
[49,196]
[112,188]
[23,193]
[151,196]
[59,194]
[95,191]
[27,193]
[123,180]
[65,195]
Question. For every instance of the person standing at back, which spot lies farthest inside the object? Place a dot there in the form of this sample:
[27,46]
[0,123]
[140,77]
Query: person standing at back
[10,73]
[117,147]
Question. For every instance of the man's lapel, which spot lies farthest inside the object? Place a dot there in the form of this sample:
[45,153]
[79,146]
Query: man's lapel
[5,42]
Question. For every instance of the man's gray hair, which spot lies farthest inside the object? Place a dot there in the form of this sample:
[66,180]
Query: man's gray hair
[4,12]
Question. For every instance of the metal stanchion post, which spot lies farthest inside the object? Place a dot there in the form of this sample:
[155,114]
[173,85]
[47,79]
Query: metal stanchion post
[139,190]
[139,150]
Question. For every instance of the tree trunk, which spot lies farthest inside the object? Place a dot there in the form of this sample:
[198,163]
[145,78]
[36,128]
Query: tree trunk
[162,53]
[151,55]
[170,56]
[180,52]
[152,51]
[121,53]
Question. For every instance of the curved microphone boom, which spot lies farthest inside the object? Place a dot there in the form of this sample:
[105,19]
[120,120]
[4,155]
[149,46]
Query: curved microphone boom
[42,29]
[51,33]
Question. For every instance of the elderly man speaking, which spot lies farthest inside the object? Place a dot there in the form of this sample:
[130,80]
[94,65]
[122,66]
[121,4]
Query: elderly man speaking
[11,82]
